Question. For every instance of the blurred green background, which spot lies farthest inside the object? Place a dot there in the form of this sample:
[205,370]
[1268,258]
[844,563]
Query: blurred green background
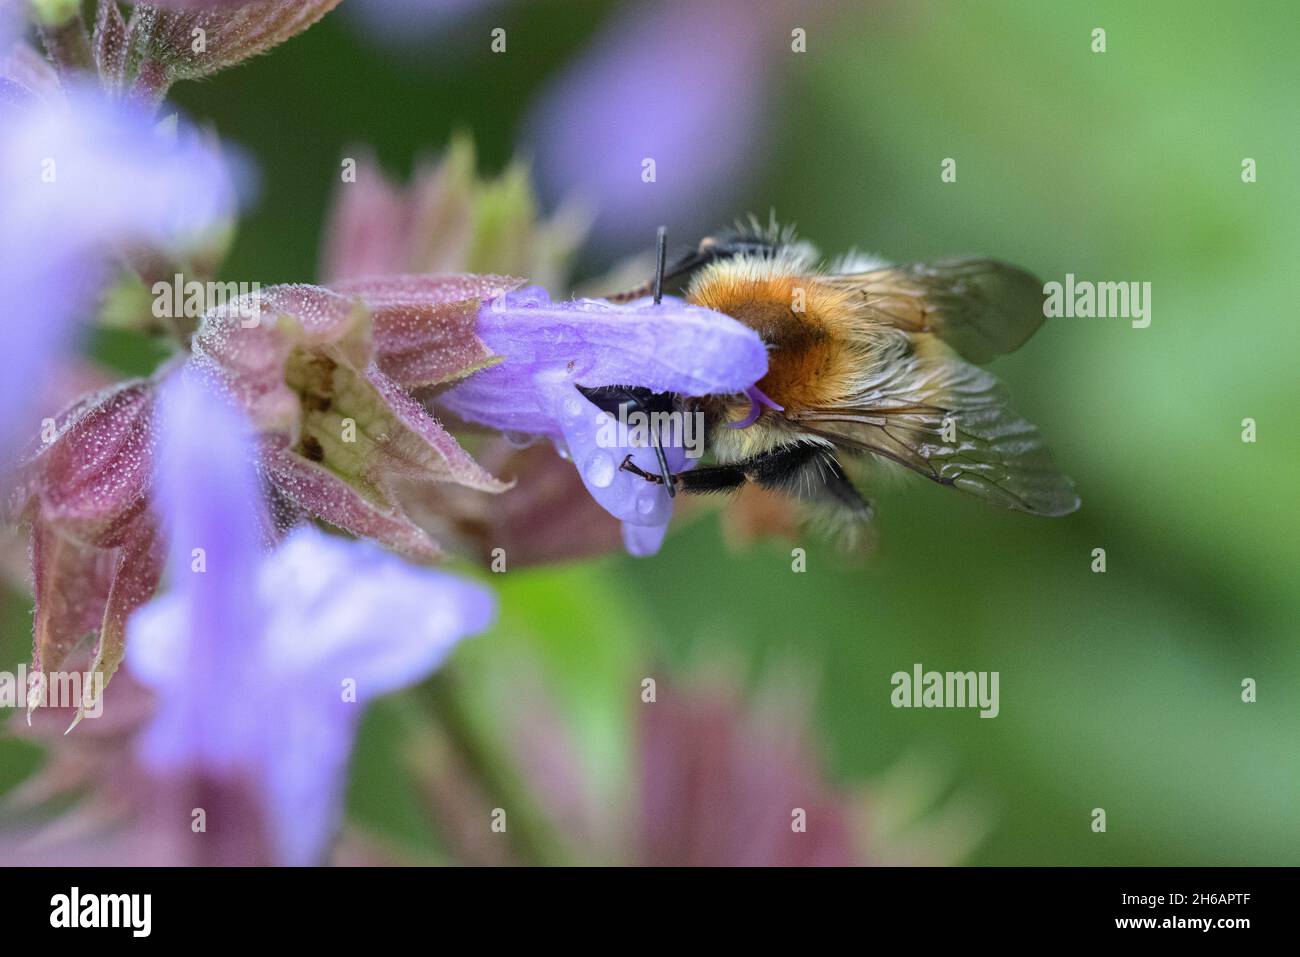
[1119,690]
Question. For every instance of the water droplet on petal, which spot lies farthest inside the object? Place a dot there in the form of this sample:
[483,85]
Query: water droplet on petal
[647,500]
[600,469]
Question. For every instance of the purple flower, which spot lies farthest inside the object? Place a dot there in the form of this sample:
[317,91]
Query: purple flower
[9,25]
[676,82]
[551,348]
[717,777]
[262,662]
[84,177]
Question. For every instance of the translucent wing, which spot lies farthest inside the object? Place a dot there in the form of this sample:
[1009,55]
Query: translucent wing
[981,307]
[949,421]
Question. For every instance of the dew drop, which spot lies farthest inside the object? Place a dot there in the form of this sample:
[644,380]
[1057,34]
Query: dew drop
[600,469]
[647,500]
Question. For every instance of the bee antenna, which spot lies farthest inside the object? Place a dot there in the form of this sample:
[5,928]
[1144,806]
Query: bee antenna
[661,253]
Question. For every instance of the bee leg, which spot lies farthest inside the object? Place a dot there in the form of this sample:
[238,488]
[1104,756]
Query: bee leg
[771,470]
[808,472]
[627,465]
[713,478]
[623,398]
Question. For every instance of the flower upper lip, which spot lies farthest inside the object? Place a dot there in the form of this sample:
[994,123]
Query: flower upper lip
[552,349]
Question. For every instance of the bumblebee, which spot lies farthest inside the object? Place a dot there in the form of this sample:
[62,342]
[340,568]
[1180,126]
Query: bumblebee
[867,362]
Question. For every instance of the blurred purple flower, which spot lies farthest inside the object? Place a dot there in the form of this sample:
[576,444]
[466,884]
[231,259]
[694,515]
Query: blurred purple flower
[716,778]
[680,82]
[403,23]
[85,176]
[10,24]
[677,82]
[719,783]
[262,663]
[551,348]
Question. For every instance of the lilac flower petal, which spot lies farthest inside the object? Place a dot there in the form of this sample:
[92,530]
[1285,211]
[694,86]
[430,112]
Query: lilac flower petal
[207,487]
[27,78]
[586,430]
[643,540]
[346,596]
[201,639]
[10,23]
[83,175]
[304,772]
[114,175]
[673,347]
[262,666]
[312,586]
[551,348]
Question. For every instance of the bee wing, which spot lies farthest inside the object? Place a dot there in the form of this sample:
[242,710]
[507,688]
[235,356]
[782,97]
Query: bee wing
[949,421]
[981,307]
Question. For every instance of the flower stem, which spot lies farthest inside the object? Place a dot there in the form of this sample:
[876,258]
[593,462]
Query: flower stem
[530,833]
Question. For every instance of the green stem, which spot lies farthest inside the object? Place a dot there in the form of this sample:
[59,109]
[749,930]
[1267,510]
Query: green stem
[527,828]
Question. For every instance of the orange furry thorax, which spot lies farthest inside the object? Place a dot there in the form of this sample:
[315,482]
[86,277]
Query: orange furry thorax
[806,325]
